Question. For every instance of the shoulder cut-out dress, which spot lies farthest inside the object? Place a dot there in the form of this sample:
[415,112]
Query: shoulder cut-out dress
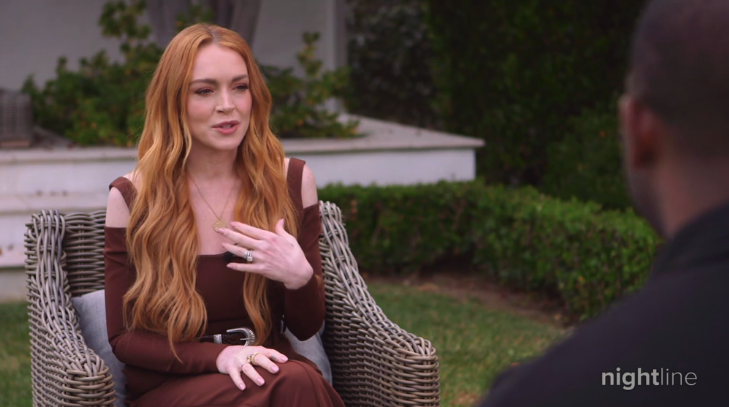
[156,378]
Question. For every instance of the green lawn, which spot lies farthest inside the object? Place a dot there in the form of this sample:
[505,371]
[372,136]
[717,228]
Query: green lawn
[14,356]
[473,343]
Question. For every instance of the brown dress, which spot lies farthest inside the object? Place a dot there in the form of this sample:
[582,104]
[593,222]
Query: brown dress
[156,378]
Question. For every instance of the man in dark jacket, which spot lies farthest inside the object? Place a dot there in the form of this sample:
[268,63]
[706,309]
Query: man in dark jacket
[667,345]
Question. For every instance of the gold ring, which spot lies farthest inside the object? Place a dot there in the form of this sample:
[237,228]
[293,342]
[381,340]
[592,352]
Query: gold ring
[252,358]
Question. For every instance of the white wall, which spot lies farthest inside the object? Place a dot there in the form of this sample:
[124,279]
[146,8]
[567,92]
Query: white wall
[281,24]
[400,167]
[35,33]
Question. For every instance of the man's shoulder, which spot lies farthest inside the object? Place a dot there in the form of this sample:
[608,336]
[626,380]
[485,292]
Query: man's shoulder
[672,325]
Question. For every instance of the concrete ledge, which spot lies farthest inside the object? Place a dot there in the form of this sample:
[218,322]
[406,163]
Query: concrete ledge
[12,286]
[383,136]
[12,259]
[69,154]
[65,202]
[63,170]
[16,211]
[69,179]
[379,136]
[12,275]
[390,167]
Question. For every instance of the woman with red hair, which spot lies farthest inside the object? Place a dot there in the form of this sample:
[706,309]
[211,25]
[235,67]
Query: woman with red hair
[212,241]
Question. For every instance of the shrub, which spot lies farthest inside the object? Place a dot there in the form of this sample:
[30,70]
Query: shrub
[512,72]
[103,102]
[389,53]
[297,111]
[584,256]
[587,164]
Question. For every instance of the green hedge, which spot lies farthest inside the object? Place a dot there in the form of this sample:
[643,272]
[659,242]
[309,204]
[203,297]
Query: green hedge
[389,54]
[587,164]
[514,72]
[587,257]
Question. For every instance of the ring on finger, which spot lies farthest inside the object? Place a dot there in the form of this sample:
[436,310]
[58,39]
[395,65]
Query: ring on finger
[248,255]
[251,358]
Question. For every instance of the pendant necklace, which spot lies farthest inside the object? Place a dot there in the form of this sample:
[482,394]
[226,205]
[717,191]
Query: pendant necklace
[219,223]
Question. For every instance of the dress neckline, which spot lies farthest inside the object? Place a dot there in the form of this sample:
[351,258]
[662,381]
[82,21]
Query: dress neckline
[210,255]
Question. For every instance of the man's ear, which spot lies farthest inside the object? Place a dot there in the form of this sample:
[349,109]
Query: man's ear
[641,130]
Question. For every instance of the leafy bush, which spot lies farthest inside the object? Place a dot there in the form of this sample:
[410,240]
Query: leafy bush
[587,164]
[389,52]
[584,256]
[103,102]
[513,72]
[297,101]
[587,256]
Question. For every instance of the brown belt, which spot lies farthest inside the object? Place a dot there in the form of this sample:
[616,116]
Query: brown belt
[235,336]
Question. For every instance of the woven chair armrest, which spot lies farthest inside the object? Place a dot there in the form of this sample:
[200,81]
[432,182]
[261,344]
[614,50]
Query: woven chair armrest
[65,371]
[374,361]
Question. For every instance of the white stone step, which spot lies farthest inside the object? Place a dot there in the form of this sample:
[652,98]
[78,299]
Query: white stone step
[62,170]
[71,179]
[16,211]
[12,259]
[12,286]
[12,275]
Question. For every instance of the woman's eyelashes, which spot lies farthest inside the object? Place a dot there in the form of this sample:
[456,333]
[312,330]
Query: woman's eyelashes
[206,91]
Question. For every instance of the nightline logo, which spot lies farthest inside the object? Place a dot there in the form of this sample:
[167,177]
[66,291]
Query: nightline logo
[656,377]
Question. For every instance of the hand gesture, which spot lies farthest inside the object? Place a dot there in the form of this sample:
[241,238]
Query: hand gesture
[236,359]
[276,255]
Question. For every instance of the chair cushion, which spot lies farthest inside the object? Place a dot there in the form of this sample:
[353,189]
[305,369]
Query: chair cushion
[313,349]
[91,311]
[92,319]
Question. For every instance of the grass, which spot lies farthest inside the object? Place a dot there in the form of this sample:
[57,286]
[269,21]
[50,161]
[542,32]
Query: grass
[14,356]
[474,343]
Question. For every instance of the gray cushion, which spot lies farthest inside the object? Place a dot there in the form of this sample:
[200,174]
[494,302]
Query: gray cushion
[313,349]
[92,319]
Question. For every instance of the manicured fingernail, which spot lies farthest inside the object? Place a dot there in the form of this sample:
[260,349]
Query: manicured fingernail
[242,387]
[284,359]
[260,382]
[275,369]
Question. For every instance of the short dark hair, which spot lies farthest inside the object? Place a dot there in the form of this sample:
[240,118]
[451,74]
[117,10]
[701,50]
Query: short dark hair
[679,68]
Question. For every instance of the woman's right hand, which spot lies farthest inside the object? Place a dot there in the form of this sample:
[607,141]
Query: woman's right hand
[234,359]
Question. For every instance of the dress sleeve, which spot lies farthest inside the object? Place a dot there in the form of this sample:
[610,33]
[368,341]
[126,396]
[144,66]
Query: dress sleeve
[304,308]
[145,349]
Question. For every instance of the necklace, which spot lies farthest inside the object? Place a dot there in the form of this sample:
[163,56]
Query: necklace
[219,223]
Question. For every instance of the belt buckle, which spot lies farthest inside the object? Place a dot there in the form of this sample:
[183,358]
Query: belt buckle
[250,338]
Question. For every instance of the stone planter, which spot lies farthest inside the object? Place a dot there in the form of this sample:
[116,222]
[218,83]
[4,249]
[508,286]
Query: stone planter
[76,179]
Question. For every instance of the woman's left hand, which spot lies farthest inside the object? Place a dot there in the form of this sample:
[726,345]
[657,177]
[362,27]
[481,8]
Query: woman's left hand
[276,255]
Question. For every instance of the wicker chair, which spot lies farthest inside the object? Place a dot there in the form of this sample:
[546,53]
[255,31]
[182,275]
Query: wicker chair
[374,362]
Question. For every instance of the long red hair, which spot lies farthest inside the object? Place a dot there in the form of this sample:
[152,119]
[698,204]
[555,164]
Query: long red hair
[162,235]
